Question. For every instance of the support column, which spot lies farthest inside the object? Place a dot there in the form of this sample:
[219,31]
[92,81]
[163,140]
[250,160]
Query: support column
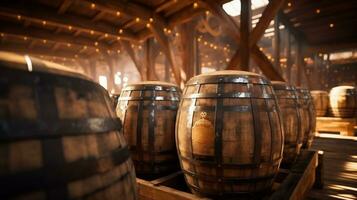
[299,62]
[245,26]
[276,45]
[288,58]
[93,70]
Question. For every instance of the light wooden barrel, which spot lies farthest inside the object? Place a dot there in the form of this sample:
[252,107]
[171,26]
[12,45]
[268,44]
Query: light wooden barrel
[229,134]
[289,108]
[308,116]
[343,101]
[148,110]
[321,102]
[59,135]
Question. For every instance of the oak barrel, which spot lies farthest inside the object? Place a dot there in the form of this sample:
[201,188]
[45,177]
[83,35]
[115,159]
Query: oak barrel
[148,110]
[343,101]
[321,102]
[59,135]
[289,108]
[308,116]
[229,135]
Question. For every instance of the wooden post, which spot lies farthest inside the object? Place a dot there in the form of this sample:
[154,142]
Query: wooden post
[147,59]
[245,25]
[197,69]
[111,84]
[93,69]
[187,43]
[299,62]
[167,71]
[288,58]
[276,45]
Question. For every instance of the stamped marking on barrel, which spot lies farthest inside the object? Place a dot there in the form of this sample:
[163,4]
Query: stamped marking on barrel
[203,136]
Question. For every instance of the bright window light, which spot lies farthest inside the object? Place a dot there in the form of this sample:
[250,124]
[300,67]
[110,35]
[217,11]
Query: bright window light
[233,8]
[125,79]
[28,62]
[103,81]
[117,78]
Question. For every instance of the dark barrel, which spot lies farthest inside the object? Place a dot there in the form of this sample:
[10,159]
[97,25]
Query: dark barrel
[308,115]
[148,110]
[229,135]
[289,108]
[59,135]
[343,101]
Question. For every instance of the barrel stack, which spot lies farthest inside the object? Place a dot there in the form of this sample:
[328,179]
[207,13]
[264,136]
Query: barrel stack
[148,110]
[60,137]
[229,134]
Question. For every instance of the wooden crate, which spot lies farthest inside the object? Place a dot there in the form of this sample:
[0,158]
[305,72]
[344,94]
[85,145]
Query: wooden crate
[343,126]
[293,183]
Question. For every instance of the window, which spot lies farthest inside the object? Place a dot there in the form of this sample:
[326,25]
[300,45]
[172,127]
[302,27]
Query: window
[232,8]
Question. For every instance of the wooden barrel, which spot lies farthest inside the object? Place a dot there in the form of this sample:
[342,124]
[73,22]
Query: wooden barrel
[59,135]
[229,134]
[321,102]
[343,101]
[148,110]
[289,108]
[308,116]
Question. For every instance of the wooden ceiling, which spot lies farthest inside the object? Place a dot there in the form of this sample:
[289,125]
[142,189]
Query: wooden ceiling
[84,27]
[328,24]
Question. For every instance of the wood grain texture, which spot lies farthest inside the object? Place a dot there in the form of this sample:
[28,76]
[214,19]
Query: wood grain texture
[343,101]
[243,154]
[148,110]
[42,159]
[321,102]
[289,108]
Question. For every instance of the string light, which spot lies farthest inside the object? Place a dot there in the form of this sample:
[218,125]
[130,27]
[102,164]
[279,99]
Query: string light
[97,50]
[120,30]
[199,39]
[148,25]
[69,27]
[2,34]
[118,51]
[289,4]
[207,12]
[85,47]
[137,19]
[91,32]
[68,45]
[332,25]
[95,43]
[118,13]
[44,41]
[19,17]
[92,5]
[106,35]
[317,11]
[118,37]
[44,23]
[76,56]
[151,20]
[195,5]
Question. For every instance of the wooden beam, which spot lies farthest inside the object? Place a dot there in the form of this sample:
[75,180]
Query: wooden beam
[157,30]
[42,34]
[276,44]
[127,47]
[39,14]
[165,5]
[233,29]
[98,16]
[332,47]
[187,32]
[64,6]
[268,15]
[22,49]
[245,26]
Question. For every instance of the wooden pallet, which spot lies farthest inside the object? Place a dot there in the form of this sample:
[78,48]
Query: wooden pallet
[343,126]
[293,183]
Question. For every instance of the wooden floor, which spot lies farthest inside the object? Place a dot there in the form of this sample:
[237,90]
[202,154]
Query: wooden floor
[340,167]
